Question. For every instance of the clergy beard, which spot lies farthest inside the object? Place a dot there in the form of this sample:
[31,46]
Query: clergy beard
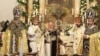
[50,30]
[16,18]
[89,25]
[78,25]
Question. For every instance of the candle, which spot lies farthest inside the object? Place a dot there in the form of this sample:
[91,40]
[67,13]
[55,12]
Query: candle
[36,11]
[40,17]
[33,14]
[85,16]
[45,11]
[72,11]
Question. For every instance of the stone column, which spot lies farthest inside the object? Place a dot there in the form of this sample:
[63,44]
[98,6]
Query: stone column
[30,9]
[76,8]
[42,8]
[42,13]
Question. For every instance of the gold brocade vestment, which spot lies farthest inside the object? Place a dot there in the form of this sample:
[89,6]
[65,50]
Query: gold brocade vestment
[20,40]
[94,48]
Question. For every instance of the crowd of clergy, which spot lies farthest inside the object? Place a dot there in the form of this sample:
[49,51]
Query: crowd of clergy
[17,39]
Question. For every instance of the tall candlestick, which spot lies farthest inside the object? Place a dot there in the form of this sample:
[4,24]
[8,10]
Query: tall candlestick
[45,11]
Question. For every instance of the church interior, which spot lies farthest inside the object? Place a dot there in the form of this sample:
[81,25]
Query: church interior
[50,28]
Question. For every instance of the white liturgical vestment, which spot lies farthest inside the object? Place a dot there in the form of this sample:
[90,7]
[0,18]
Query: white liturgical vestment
[32,35]
[77,34]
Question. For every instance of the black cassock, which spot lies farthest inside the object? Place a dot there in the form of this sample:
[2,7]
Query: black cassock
[53,41]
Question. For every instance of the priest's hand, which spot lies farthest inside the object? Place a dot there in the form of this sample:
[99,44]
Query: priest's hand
[85,36]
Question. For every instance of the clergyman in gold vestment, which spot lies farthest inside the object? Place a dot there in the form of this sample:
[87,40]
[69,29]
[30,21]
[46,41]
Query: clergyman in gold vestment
[15,39]
[89,45]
